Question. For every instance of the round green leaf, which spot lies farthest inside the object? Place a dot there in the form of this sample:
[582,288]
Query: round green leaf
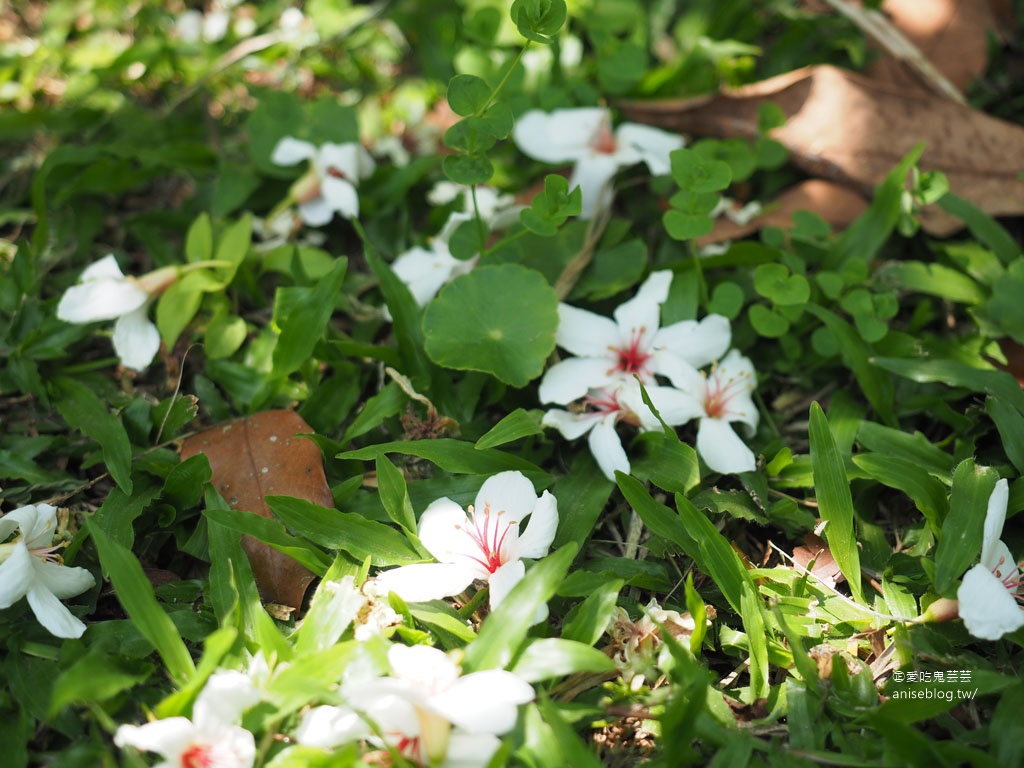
[686,226]
[539,20]
[467,94]
[468,169]
[500,320]
[774,281]
[767,322]
[726,300]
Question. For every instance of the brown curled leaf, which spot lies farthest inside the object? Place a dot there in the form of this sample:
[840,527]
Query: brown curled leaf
[258,456]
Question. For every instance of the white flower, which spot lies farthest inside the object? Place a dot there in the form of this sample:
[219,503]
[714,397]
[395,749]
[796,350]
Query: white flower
[30,567]
[104,293]
[584,136]
[603,408]
[425,270]
[990,593]
[497,210]
[330,185]
[416,708]
[482,543]
[717,399]
[211,738]
[609,351]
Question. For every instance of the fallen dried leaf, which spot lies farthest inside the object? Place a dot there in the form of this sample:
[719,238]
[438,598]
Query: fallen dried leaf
[816,551]
[846,128]
[258,456]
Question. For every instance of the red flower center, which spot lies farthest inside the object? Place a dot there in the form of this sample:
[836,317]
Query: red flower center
[720,392]
[604,140]
[633,358]
[489,535]
[197,756]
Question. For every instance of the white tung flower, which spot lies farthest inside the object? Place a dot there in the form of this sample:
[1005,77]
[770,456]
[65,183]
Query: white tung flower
[425,270]
[105,293]
[483,542]
[425,710]
[30,567]
[330,185]
[990,595]
[211,738]
[585,137]
[609,351]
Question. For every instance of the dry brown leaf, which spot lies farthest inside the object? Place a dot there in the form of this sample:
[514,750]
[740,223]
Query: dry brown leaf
[258,456]
[845,128]
[816,550]
[836,204]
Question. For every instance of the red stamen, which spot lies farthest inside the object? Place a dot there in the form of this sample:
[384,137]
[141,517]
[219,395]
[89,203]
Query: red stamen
[197,756]
[633,359]
[490,542]
[604,140]
[719,393]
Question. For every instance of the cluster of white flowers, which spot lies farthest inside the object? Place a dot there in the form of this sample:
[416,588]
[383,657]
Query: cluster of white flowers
[613,357]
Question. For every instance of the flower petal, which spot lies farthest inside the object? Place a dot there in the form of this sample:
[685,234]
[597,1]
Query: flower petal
[105,269]
[698,343]
[291,151]
[52,613]
[607,448]
[471,750]
[16,576]
[503,580]
[484,702]
[136,339]
[442,530]
[351,160]
[593,174]
[571,425]
[986,605]
[535,541]
[585,333]
[63,580]
[722,449]
[675,406]
[316,212]
[644,142]
[557,137]
[641,315]
[737,372]
[34,521]
[995,519]
[573,377]
[424,272]
[426,581]
[100,300]
[168,737]
[328,727]
[431,669]
[341,195]
[509,492]
[225,696]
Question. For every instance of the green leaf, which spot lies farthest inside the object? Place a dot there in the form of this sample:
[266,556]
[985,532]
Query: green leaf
[468,170]
[999,384]
[136,596]
[233,248]
[915,448]
[517,425]
[767,322]
[84,411]
[406,321]
[726,300]
[199,240]
[550,657]
[385,404]
[933,279]
[352,533]
[928,494]
[775,282]
[549,210]
[1010,423]
[963,526]
[590,618]
[582,495]
[668,463]
[468,94]
[695,173]
[982,226]
[505,628]
[273,533]
[304,325]
[394,494]
[478,323]
[95,678]
[835,504]
[178,305]
[686,226]
[539,20]
[225,333]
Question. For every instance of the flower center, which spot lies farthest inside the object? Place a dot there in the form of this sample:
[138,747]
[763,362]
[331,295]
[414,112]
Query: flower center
[633,358]
[1013,580]
[603,141]
[605,401]
[720,391]
[489,535]
[197,756]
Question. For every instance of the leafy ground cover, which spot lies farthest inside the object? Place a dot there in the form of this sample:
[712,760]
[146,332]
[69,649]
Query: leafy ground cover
[377,392]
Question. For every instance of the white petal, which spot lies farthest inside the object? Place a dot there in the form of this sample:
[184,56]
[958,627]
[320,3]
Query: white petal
[585,333]
[573,377]
[675,406]
[351,160]
[986,606]
[644,142]
[1003,564]
[52,613]
[426,581]
[536,540]
[722,449]
[995,518]
[136,339]
[329,727]
[16,576]
[225,696]
[442,530]
[697,343]
[484,702]
[558,137]
[571,425]
[316,212]
[291,151]
[737,373]
[105,269]
[168,737]
[509,492]
[63,581]
[503,580]
[454,221]
[641,315]
[100,300]
[593,175]
[607,448]
[471,750]
[430,668]
[682,375]
[38,523]
[424,272]
[341,195]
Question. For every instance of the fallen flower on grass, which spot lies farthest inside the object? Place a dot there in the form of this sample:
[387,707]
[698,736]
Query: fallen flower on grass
[483,542]
[425,710]
[329,186]
[30,567]
[584,137]
[211,738]
[425,270]
[990,596]
[105,293]
[609,351]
